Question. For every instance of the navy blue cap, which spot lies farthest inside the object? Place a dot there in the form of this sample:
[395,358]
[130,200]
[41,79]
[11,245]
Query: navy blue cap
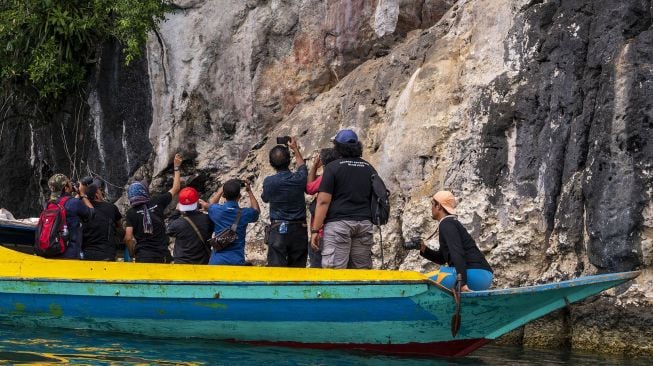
[346,137]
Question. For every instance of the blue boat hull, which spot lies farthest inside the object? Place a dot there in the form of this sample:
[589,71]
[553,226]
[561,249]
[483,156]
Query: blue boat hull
[381,311]
[390,317]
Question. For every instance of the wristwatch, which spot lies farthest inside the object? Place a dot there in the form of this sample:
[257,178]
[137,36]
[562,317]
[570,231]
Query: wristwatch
[315,231]
[176,168]
[82,196]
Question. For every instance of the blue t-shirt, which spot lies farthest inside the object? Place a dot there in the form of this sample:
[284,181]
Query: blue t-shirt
[285,193]
[223,216]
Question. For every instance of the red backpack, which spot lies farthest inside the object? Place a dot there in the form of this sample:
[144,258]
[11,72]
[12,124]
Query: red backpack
[51,231]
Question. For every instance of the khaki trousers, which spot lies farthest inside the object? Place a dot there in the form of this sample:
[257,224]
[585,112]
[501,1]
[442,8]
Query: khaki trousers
[347,244]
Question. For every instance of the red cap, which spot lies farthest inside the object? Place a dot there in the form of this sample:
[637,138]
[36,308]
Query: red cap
[188,198]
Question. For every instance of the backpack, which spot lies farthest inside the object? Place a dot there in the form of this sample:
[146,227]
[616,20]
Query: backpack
[380,201]
[51,231]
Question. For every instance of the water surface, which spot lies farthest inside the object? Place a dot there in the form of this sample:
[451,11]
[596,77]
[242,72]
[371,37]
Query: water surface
[53,346]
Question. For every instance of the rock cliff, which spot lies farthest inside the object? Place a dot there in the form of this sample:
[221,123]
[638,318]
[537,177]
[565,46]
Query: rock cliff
[536,113]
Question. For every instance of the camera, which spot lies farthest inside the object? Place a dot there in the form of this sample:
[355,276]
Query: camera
[242,183]
[87,181]
[283,140]
[414,243]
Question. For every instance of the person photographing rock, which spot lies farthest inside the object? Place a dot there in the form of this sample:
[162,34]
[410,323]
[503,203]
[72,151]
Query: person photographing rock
[145,220]
[191,229]
[99,242]
[284,191]
[78,209]
[228,214]
[323,158]
[458,253]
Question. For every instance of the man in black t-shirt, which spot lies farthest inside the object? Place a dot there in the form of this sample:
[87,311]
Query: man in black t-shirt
[191,230]
[145,221]
[99,240]
[344,207]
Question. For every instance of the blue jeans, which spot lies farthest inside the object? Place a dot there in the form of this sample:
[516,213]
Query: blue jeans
[477,279]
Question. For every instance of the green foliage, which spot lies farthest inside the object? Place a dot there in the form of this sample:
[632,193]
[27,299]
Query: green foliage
[47,46]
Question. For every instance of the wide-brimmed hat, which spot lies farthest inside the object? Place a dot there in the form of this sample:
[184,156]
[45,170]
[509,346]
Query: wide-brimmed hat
[188,198]
[446,200]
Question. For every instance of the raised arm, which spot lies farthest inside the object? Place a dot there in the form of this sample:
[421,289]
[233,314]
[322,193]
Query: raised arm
[176,181]
[215,197]
[294,146]
[312,173]
[84,198]
[252,199]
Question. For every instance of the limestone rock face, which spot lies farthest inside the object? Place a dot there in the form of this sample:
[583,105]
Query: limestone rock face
[536,114]
[229,71]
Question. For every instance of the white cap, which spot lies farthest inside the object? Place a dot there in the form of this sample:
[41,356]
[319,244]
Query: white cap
[191,207]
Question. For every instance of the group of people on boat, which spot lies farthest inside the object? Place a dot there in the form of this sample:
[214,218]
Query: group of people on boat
[341,229]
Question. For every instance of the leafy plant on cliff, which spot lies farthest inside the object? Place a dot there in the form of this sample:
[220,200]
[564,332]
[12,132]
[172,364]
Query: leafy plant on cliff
[48,46]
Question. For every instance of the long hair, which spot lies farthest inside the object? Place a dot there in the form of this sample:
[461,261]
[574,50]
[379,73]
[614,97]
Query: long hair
[328,155]
[354,150]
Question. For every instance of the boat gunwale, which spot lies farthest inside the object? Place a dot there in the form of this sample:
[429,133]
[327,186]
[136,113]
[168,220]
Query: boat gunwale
[586,280]
[228,283]
[12,224]
[17,227]
[574,282]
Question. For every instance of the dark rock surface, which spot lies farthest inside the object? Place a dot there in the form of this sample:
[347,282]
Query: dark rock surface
[584,107]
[105,136]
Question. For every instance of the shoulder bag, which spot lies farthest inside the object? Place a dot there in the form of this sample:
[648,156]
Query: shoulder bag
[226,237]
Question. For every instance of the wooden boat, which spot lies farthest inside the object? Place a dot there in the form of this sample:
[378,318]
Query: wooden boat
[18,234]
[374,310]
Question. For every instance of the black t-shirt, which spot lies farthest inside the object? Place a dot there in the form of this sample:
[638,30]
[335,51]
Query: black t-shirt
[349,181]
[99,241]
[457,248]
[155,244]
[188,247]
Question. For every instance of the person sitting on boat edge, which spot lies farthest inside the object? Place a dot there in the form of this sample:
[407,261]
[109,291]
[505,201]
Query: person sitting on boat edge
[144,220]
[77,210]
[323,158]
[99,242]
[191,230]
[224,216]
[458,252]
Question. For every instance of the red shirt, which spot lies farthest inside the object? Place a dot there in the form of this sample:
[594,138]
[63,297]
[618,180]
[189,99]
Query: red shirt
[312,188]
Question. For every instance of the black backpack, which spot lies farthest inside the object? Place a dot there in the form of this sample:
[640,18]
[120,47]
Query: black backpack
[380,201]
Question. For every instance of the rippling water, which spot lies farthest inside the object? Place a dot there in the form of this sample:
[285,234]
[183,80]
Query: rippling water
[50,346]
